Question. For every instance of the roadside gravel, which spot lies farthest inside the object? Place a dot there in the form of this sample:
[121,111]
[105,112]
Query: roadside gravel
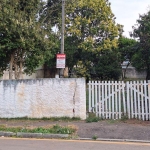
[107,129]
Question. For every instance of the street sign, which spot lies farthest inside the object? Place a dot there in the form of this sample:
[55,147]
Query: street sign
[60,60]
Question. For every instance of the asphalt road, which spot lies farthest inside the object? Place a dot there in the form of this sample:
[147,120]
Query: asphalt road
[41,144]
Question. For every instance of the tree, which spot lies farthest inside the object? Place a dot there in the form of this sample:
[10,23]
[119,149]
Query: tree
[105,67]
[23,42]
[141,59]
[90,29]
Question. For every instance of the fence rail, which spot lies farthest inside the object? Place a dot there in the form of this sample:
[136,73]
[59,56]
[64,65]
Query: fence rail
[112,99]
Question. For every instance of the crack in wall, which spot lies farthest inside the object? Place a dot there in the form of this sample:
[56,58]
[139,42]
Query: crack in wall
[74,98]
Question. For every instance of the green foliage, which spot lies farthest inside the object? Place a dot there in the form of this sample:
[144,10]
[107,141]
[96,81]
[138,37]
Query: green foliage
[56,129]
[90,31]
[23,42]
[27,40]
[141,59]
[126,48]
[124,117]
[94,137]
[103,66]
[51,13]
[45,118]
[107,66]
[92,118]
[90,28]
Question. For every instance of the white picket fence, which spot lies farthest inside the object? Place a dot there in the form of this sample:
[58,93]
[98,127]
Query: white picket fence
[112,99]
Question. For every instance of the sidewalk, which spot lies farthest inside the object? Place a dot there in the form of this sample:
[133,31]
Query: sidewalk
[108,129]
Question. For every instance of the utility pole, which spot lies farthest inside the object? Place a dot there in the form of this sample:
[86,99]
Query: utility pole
[62,35]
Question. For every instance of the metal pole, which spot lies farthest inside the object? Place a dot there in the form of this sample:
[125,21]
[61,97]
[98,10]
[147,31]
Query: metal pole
[62,34]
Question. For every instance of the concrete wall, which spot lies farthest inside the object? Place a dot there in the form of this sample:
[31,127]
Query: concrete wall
[132,73]
[39,73]
[39,98]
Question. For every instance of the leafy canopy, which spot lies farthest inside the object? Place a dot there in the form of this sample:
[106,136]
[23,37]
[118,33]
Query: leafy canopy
[90,30]
[141,31]
[24,43]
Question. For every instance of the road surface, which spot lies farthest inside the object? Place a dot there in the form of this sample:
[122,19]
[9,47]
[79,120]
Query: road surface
[45,144]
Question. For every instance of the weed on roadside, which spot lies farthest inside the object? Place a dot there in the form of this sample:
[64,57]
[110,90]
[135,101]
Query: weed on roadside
[124,118]
[112,121]
[93,119]
[94,137]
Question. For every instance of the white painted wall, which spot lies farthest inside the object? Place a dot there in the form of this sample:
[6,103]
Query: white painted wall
[37,98]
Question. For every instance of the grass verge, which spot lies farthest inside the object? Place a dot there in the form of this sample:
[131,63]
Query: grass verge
[55,129]
[45,118]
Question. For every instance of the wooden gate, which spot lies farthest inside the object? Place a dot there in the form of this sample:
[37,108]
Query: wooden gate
[138,99]
[107,99]
[112,99]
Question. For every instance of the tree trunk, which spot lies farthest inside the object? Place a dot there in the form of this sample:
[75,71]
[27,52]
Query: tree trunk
[11,67]
[20,71]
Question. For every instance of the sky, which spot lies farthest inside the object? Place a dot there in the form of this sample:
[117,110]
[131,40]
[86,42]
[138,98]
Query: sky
[127,12]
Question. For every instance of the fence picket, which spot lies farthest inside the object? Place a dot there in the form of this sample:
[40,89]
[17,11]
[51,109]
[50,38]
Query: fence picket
[124,101]
[142,106]
[135,100]
[100,100]
[90,96]
[138,99]
[119,100]
[96,101]
[131,99]
[106,114]
[128,99]
[116,101]
[149,97]
[93,100]
[112,101]
[109,99]
[145,99]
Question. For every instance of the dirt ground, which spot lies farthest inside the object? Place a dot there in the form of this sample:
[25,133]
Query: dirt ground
[109,129]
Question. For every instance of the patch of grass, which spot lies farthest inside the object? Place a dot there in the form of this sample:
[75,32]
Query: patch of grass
[91,115]
[124,118]
[55,129]
[45,118]
[94,137]
[112,121]
[94,119]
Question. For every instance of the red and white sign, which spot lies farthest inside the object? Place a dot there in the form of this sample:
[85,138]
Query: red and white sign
[60,60]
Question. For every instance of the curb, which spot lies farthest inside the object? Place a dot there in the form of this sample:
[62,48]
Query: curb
[116,140]
[7,134]
[57,136]
[63,136]
[34,135]
[29,135]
